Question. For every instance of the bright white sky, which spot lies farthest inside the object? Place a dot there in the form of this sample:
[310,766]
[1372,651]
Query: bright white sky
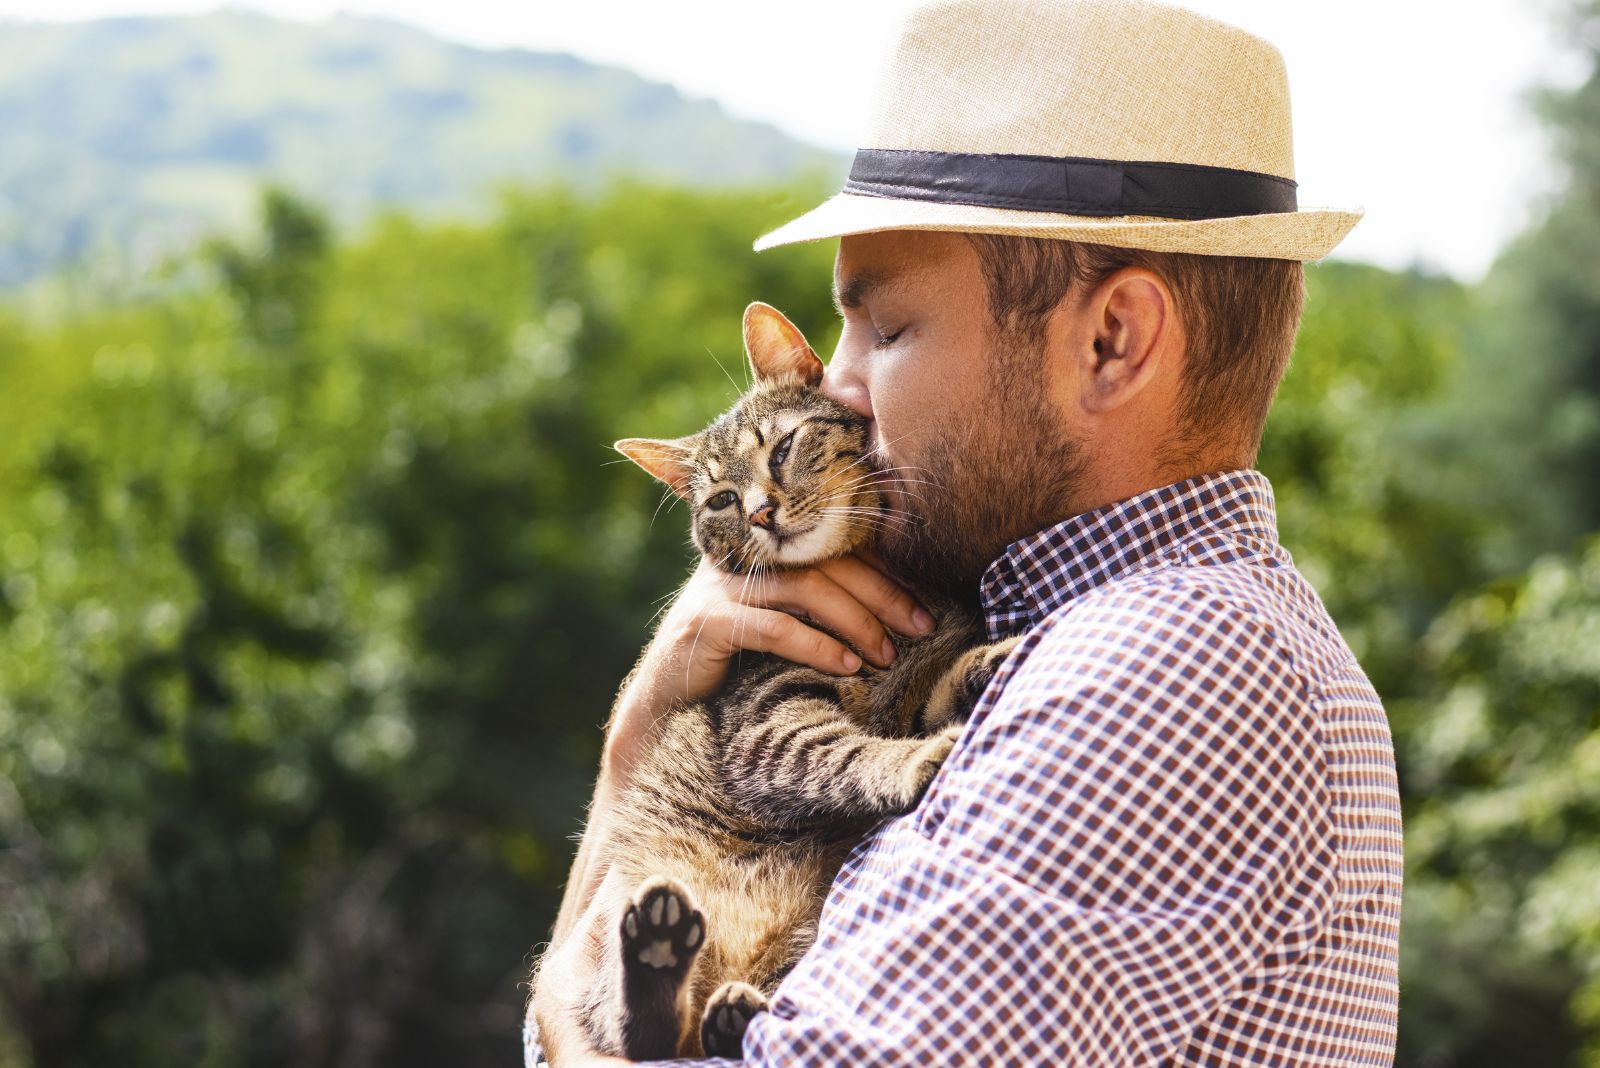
[1412,109]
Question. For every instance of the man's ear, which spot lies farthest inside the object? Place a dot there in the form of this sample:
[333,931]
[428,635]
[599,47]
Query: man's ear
[1132,329]
[668,460]
[776,347]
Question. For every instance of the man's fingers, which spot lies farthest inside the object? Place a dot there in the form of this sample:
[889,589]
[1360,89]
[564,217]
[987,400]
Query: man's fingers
[813,595]
[881,595]
[847,596]
[779,633]
[870,555]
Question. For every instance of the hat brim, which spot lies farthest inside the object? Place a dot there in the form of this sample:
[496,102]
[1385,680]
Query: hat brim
[1309,234]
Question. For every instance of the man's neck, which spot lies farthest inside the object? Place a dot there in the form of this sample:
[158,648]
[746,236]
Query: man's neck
[1119,475]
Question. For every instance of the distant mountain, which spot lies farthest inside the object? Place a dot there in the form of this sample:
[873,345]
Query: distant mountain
[126,137]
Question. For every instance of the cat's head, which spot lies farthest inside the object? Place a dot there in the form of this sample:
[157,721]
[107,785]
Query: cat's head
[782,479]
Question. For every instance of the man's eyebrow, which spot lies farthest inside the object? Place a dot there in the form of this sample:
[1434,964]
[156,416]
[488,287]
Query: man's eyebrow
[861,285]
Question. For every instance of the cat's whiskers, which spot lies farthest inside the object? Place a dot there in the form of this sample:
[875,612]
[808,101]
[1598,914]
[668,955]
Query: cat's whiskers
[855,490]
[870,517]
[858,511]
[850,502]
[854,498]
[853,485]
[828,487]
[877,454]
[737,388]
[901,467]
[878,450]
[761,577]
[744,592]
[665,601]
[756,575]
[893,474]
[828,483]
[845,496]
[666,496]
[701,628]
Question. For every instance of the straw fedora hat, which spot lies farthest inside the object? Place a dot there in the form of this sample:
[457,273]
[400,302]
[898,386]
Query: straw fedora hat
[1120,122]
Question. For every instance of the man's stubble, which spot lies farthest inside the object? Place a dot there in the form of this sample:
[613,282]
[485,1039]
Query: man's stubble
[1010,470]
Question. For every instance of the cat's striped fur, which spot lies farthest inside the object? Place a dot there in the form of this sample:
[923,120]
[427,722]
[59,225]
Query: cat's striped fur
[719,853]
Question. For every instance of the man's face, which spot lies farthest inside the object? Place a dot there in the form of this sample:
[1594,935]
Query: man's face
[964,419]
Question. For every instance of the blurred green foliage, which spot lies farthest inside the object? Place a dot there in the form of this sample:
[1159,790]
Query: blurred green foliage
[314,589]
[1528,401]
[315,585]
[1499,733]
[1502,755]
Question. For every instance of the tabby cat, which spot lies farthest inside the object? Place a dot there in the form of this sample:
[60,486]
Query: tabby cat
[719,853]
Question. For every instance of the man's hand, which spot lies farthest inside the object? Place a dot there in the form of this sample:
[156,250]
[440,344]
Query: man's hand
[717,614]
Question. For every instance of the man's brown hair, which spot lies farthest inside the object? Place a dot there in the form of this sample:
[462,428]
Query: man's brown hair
[1240,313]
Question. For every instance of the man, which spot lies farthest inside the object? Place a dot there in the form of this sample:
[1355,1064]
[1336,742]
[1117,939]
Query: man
[1070,278]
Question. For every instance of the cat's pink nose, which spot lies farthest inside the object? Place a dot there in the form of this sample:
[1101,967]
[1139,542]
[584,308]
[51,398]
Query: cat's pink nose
[762,517]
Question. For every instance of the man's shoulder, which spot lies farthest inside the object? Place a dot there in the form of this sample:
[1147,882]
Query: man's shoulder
[1179,616]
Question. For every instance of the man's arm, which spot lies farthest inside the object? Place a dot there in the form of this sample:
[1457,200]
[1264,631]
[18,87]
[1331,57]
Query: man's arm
[1138,828]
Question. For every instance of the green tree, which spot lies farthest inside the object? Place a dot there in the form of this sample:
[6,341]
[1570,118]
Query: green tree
[314,589]
[1498,728]
[1526,410]
[1354,459]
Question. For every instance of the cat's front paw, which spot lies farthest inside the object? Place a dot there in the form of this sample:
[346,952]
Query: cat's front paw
[661,928]
[925,763]
[959,688]
[728,1014]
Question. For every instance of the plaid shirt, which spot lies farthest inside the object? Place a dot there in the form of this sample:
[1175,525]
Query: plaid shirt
[1170,833]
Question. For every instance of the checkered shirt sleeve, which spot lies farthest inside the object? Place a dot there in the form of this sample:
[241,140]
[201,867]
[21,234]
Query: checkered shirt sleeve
[1169,835]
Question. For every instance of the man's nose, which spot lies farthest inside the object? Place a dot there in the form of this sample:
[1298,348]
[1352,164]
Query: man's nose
[843,382]
[764,515]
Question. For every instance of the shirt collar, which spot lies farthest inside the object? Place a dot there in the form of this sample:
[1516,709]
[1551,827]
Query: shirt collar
[1041,572]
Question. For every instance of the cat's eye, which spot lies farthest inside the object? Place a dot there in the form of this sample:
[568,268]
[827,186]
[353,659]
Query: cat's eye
[781,453]
[725,499]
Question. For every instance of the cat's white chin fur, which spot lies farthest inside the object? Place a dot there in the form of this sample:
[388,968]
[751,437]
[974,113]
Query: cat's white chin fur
[808,547]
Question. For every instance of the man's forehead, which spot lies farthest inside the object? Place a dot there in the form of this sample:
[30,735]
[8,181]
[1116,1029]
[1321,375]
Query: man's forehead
[851,286]
[866,271]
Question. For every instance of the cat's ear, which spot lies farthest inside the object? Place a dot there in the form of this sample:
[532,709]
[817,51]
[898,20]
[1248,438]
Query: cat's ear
[776,347]
[669,460]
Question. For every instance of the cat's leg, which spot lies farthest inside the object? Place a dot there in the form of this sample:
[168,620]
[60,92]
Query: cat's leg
[804,762]
[957,691]
[805,759]
[660,935]
[727,1015]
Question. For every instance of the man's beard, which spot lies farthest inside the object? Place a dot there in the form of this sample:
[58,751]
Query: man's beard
[969,496]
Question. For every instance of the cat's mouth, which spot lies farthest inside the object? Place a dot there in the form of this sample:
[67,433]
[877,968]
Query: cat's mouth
[795,546]
[777,535]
